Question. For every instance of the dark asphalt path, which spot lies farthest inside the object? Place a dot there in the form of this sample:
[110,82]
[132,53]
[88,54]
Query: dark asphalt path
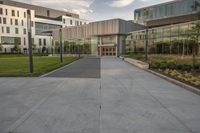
[89,67]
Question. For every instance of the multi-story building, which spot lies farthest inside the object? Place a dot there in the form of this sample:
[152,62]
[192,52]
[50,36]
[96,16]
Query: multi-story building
[176,11]
[13,25]
[170,29]
[103,38]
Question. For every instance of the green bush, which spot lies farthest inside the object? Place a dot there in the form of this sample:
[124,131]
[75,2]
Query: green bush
[136,56]
[186,67]
[171,65]
[197,66]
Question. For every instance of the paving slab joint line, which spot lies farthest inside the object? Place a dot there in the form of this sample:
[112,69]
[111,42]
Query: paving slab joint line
[42,76]
[179,83]
[23,118]
[100,105]
[168,110]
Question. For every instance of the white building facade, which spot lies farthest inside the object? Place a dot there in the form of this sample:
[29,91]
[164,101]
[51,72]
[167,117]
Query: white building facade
[13,27]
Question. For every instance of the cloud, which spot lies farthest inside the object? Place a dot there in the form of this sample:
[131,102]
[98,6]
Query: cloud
[120,3]
[81,7]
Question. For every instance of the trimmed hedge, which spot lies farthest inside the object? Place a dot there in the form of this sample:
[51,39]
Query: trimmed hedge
[172,65]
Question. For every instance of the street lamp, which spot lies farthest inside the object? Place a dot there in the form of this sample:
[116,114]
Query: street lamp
[146,44]
[29,41]
[61,52]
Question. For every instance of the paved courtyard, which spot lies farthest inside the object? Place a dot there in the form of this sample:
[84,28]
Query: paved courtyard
[124,99]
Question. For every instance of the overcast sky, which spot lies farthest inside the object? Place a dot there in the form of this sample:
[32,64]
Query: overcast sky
[97,9]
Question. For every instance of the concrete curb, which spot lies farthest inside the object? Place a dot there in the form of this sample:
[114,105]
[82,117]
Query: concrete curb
[137,63]
[42,76]
[179,83]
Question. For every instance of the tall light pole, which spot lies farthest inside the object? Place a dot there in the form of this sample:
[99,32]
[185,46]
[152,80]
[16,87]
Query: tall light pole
[29,41]
[61,52]
[146,44]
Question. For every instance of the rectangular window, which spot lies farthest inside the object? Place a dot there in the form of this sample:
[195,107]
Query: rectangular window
[17,13]
[64,21]
[22,23]
[16,31]
[6,11]
[16,22]
[44,42]
[1,10]
[24,14]
[2,29]
[24,41]
[13,12]
[4,20]
[0,20]
[24,31]
[71,22]
[40,42]
[80,23]
[7,29]
[48,13]
[11,22]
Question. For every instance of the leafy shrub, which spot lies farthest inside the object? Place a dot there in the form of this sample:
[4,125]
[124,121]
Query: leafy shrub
[187,77]
[197,66]
[136,56]
[186,67]
[171,65]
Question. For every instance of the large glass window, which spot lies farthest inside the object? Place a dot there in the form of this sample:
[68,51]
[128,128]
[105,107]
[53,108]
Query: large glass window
[41,27]
[108,39]
[174,39]
[175,8]
[10,40]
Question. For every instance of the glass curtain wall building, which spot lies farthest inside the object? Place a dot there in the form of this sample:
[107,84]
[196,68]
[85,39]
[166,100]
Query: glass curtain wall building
[165,10]
[171,39]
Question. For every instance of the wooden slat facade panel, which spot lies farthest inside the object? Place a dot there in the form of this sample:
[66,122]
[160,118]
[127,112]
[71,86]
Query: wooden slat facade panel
[107,27]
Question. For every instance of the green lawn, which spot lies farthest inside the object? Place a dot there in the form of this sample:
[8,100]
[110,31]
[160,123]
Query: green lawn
[18,66]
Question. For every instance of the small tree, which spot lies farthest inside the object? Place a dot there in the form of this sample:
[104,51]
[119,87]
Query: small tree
[1,47]
[57,46]
[34,47]
[195,35]
[16,48]
[44,49]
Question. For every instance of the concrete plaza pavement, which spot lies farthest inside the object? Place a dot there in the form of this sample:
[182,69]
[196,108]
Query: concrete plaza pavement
[124,100]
